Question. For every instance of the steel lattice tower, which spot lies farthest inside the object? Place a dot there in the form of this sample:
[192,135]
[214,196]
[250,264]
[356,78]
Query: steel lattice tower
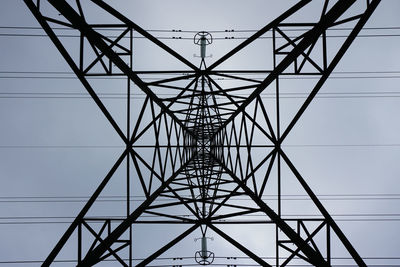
[203,154]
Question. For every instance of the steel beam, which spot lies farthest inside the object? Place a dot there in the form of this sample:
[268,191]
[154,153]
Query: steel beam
[309,38]
[152,257]
[74,67]
[143,32]
[312,255]
[93,257]
[357,258]
[70,14]
[239,246]
[349,40]
[207,126]
[259,33]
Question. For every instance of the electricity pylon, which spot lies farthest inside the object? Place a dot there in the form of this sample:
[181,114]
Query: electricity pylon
[206,145]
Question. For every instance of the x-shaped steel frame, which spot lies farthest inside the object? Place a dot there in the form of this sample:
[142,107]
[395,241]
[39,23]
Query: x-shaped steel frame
[202,159]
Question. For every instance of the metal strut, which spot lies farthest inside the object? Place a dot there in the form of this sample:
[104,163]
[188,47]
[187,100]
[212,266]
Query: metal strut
[204,154]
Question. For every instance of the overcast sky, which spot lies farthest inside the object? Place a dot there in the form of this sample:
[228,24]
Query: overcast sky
[53,144]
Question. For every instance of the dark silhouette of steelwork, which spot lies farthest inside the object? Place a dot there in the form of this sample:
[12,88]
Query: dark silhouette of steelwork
[204,154]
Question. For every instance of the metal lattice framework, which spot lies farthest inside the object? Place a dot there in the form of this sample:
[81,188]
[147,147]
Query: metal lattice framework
[197,147]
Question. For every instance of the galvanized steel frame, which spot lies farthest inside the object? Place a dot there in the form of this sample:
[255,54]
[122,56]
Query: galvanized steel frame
[204,138]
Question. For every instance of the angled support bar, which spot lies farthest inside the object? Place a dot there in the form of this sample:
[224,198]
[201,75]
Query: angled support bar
[53,254]
[71,15]
[239,246]
[357,258]
[93,257]
[74,67]
[314,257]
[152,257]
[360,24]
[309,38]
[258,34]
[143,32]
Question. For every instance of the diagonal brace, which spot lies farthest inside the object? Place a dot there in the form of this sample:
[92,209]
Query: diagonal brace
[96,253]
[71,15]
[313,256]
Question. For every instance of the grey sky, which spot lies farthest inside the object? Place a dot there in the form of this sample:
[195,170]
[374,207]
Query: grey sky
[343,145]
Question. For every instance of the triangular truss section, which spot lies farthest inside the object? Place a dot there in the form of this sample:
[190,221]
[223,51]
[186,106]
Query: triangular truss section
[203,145]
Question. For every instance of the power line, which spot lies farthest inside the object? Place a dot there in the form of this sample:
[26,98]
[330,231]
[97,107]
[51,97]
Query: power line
[290,95]
[219,78]
[121,146]
[265,195]
[196,31]
[283,198]
[230,258]
[143,97]
[220,221]
[230,38]
[185,215]
[255,72]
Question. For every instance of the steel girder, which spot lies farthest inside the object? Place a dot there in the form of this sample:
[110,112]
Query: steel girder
[203,150]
